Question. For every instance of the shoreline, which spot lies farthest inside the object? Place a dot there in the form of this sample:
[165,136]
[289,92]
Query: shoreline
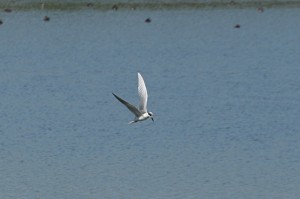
[5,7]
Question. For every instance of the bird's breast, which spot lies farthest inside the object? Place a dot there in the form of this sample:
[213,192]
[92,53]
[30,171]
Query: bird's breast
[144,116]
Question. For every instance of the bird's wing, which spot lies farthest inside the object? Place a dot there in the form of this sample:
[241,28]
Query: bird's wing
[142,91]
[132,108]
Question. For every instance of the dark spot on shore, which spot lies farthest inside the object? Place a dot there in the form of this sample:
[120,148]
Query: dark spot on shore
[237,26]
[260,10]
[114,7]
[89,4]
[7,10]
[148,20]
[232,2]
[46,18]
[1,22]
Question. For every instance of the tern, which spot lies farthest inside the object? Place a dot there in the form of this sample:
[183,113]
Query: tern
[140,113]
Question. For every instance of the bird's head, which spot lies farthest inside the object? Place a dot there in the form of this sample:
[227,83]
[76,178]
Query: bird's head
[151,116]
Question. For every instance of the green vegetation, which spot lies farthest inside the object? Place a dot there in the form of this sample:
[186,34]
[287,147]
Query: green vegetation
[152,6]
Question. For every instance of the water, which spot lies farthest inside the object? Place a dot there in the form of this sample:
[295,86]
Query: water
[226,103]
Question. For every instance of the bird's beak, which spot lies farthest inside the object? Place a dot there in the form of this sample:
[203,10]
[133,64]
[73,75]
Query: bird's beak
[152,119]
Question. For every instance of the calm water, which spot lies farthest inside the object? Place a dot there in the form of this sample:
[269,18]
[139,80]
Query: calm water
[226,102]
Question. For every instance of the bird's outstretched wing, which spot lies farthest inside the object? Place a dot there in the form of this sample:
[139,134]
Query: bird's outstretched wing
[130,107]
[142,91]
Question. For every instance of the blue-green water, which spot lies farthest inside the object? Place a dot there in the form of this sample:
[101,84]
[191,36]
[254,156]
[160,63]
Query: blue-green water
[226,102]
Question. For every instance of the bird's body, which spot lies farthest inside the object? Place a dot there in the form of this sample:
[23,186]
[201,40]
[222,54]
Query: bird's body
[144,116]
[140,113]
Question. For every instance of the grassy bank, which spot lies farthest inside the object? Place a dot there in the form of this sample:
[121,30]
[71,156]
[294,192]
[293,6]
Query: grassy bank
[158,5]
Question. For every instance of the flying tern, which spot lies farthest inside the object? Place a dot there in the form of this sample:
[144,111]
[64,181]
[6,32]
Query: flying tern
[140,113]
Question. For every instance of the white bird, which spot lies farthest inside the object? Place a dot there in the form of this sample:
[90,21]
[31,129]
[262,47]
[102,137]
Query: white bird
[140,113]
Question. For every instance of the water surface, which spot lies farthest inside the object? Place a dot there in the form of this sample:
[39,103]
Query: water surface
[226,102]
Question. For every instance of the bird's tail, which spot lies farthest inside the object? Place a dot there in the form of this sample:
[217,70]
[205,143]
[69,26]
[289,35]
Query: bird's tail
[132,122]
